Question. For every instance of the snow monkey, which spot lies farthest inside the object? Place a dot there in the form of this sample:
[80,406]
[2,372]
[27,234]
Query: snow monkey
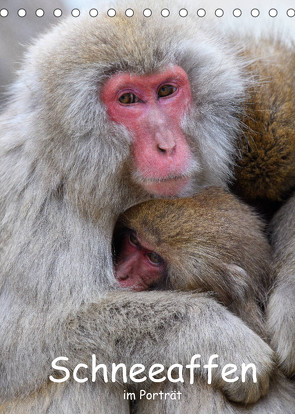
[105,114]
[211,242]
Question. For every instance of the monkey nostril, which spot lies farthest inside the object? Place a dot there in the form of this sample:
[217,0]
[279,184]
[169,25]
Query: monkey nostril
[123,277]
[161,149]
[168,150]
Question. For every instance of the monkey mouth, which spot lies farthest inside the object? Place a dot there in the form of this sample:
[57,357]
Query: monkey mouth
[136,286]
[171,185]
[168,179]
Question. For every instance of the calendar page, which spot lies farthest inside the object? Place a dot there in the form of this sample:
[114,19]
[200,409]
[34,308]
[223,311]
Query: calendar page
[147,215]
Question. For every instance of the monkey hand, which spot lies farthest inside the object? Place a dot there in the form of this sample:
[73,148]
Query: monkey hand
[281,327]
[249,392]
[243,347]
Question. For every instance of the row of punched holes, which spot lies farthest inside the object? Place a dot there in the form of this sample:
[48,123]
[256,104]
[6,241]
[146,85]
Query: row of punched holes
[148,12]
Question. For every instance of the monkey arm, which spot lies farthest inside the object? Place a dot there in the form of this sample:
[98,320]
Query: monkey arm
[168,328]
[281,320]
[130,328]
[281,308]
[53,301]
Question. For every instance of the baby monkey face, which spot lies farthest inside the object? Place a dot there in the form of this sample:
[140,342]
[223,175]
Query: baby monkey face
[138,266]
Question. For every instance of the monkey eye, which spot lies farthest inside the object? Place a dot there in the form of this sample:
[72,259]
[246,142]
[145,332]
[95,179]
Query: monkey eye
[133,240]
[128,98]
[154,258]
[166,90]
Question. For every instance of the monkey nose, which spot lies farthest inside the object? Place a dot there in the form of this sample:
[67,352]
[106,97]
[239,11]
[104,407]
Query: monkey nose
[166,149]
[122,276]
[165,141]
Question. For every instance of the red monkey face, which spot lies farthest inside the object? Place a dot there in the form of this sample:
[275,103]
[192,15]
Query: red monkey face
[151,107]
[138,267]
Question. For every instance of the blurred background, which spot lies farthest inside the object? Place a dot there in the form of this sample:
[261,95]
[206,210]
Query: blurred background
[18,32]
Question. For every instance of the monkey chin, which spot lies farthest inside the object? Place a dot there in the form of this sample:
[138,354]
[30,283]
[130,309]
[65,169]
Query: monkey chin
[168,187]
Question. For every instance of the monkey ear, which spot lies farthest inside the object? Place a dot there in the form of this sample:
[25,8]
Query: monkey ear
[237,270]
[239,280]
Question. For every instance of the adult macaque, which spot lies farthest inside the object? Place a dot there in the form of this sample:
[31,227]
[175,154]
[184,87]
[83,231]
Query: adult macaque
[107,113]
[213,243]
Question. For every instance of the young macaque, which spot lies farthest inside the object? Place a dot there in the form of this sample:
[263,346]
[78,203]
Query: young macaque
[210,242]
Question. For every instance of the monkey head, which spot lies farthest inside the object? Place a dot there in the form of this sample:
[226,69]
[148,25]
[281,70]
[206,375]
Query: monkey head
[210,242]
[144,108]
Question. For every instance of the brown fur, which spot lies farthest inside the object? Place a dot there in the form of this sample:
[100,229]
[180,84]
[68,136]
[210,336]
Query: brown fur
[266,169]
[207,240]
